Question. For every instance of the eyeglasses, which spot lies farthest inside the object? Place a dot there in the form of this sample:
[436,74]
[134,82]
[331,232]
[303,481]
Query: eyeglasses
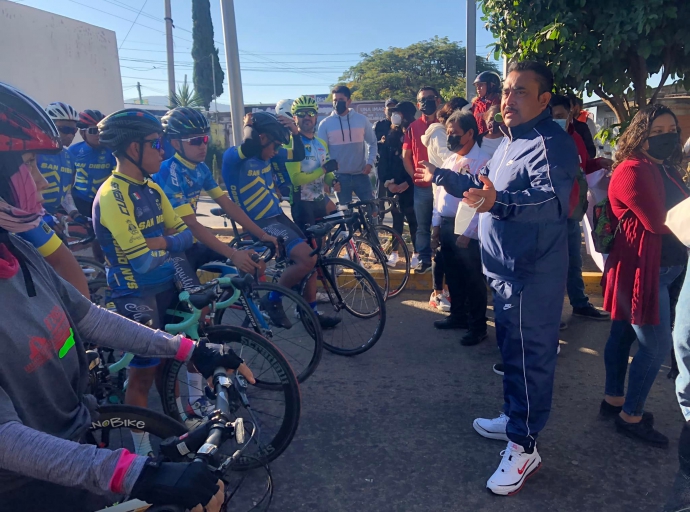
[196,141]
[156,144]
[69,130]
[427,98]
[92,131]
[302,114]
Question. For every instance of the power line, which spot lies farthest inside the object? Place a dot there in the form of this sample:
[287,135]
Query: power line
[132,25]
[244,84]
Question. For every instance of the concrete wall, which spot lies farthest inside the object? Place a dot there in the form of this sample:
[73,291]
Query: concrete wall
[53,58]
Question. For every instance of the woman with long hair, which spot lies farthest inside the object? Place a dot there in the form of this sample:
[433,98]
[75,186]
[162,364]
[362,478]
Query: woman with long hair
[644,261]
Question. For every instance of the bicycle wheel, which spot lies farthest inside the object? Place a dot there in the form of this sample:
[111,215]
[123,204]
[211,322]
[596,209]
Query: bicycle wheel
[99,292]
[356,299]
[274,403]
[92,268]
[301,344]
[368,256]
[390,241]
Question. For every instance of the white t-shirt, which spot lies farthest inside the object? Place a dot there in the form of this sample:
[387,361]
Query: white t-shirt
[489,146]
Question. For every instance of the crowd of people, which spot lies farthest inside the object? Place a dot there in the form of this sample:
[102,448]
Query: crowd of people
[493,192]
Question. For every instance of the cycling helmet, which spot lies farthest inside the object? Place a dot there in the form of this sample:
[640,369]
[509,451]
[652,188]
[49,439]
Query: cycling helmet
[268,124]
[491,79]
[89,118]
[24,125]
[284,107]
[304,103]
[125,126]
[60,111]
[184,121]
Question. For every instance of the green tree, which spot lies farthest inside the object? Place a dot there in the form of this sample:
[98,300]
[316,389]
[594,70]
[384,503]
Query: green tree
[400,72]
[605,47]
[185,96]
[202,50]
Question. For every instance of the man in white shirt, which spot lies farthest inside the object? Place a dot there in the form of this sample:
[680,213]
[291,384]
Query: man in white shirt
[461,255]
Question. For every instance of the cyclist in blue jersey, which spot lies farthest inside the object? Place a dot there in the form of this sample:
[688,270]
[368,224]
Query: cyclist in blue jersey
[93,163]
[185,175]
[247,172]
[132,220]
[58,169]
[281,178]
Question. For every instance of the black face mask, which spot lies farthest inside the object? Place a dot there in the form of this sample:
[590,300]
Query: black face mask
[340,106]
[662,146]
[454,143]
[428,106]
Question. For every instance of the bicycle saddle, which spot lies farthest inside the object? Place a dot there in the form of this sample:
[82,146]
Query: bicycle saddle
[217,212]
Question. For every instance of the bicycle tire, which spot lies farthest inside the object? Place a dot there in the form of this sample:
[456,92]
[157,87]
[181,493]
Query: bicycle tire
[85,261]
[378,257]
[308,319]
[124,416]
[94,286]
[390,232]
[329,263]
[288,387]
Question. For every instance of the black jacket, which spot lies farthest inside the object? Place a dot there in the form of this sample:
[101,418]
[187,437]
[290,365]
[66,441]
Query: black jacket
[583,131]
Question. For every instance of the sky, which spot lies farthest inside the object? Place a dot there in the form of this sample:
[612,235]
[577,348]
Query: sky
[285,50]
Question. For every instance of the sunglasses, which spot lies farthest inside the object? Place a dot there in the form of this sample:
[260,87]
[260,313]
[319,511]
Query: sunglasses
[68,130]
[196,141]
[305,114]
[427,98]
[156,144]
[92,131]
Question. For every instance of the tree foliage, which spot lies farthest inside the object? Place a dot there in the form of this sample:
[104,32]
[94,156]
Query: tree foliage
[400,72]
[203,48]
[185,96]
[605,47]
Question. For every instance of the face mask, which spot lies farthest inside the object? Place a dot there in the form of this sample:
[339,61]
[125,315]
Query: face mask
[662,146]
[396,119]
[428,107]
[454,143]
[562,123]
[340,106]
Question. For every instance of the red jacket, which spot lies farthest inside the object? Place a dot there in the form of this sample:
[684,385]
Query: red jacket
[480,106]
[631,275]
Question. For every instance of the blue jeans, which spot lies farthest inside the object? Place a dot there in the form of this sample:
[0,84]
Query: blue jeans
[360,184]
[655,343]
[423,209]
[575,285]
[681,344]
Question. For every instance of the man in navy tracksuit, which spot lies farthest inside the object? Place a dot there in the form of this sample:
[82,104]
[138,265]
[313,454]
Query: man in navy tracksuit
[522,195]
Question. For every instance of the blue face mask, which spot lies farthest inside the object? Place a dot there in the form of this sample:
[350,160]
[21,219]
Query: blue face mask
[562,123]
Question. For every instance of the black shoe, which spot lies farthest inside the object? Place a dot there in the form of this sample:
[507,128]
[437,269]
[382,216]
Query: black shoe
[275,312]
[589,311]
[328,322]
[562,326]
[451,323]
[498,369]
[611,412]
[473,338]
[422,268]
[642,431]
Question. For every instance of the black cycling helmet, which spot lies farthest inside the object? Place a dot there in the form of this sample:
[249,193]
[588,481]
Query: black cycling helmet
[491,79]
[123,127]
[89,118]
[268,124]
[181,122]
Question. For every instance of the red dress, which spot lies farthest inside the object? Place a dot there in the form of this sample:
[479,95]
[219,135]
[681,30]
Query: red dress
[480,106]
[631,275]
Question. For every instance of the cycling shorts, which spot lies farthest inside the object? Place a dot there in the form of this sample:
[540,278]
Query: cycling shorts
[280,225]
[308,213]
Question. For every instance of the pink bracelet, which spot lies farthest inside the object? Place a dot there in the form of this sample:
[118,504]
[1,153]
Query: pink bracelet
[186,347]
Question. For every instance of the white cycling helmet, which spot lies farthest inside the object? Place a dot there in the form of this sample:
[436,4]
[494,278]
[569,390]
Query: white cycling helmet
[283,108]
[60,111]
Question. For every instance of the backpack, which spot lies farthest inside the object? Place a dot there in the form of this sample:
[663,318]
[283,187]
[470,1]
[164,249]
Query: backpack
[603,230]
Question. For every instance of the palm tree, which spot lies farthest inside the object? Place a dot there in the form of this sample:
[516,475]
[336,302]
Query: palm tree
[185,96]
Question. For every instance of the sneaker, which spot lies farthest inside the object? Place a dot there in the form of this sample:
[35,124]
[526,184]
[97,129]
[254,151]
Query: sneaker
[393,259]
[328,322]
[275,312]
[473,338]
[515,468]
[439,302]
[611,412]
[142,444]
[414,261]
[589,311]
[451,323]
[446,294]
[642,431]
[498,369]
[494,428]
[322,298]
[422,268]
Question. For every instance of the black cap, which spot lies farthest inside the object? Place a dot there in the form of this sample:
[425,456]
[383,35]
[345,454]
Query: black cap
[391,100]
[406,108]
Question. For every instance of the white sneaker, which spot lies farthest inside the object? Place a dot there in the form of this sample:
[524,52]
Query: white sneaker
[322,297]
[393,259]
[439,302]
[414,261]
[494,428]
[446,295]
[515,468]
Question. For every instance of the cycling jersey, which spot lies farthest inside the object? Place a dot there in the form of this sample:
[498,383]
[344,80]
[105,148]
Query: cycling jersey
[182,181]
[126,212]
[281,177]
[307,176]
[92,167]
[43,238]
[58,170]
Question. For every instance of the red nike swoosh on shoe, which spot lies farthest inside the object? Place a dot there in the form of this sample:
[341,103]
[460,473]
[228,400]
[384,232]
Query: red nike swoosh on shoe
[521,471]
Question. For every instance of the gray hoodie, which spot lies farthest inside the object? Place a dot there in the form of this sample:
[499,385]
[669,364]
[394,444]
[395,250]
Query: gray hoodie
[351,141]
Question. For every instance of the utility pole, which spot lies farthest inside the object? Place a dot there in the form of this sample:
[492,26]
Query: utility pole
[232,58]
[213,73]
[141,100]
[471,53]
[169,47]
